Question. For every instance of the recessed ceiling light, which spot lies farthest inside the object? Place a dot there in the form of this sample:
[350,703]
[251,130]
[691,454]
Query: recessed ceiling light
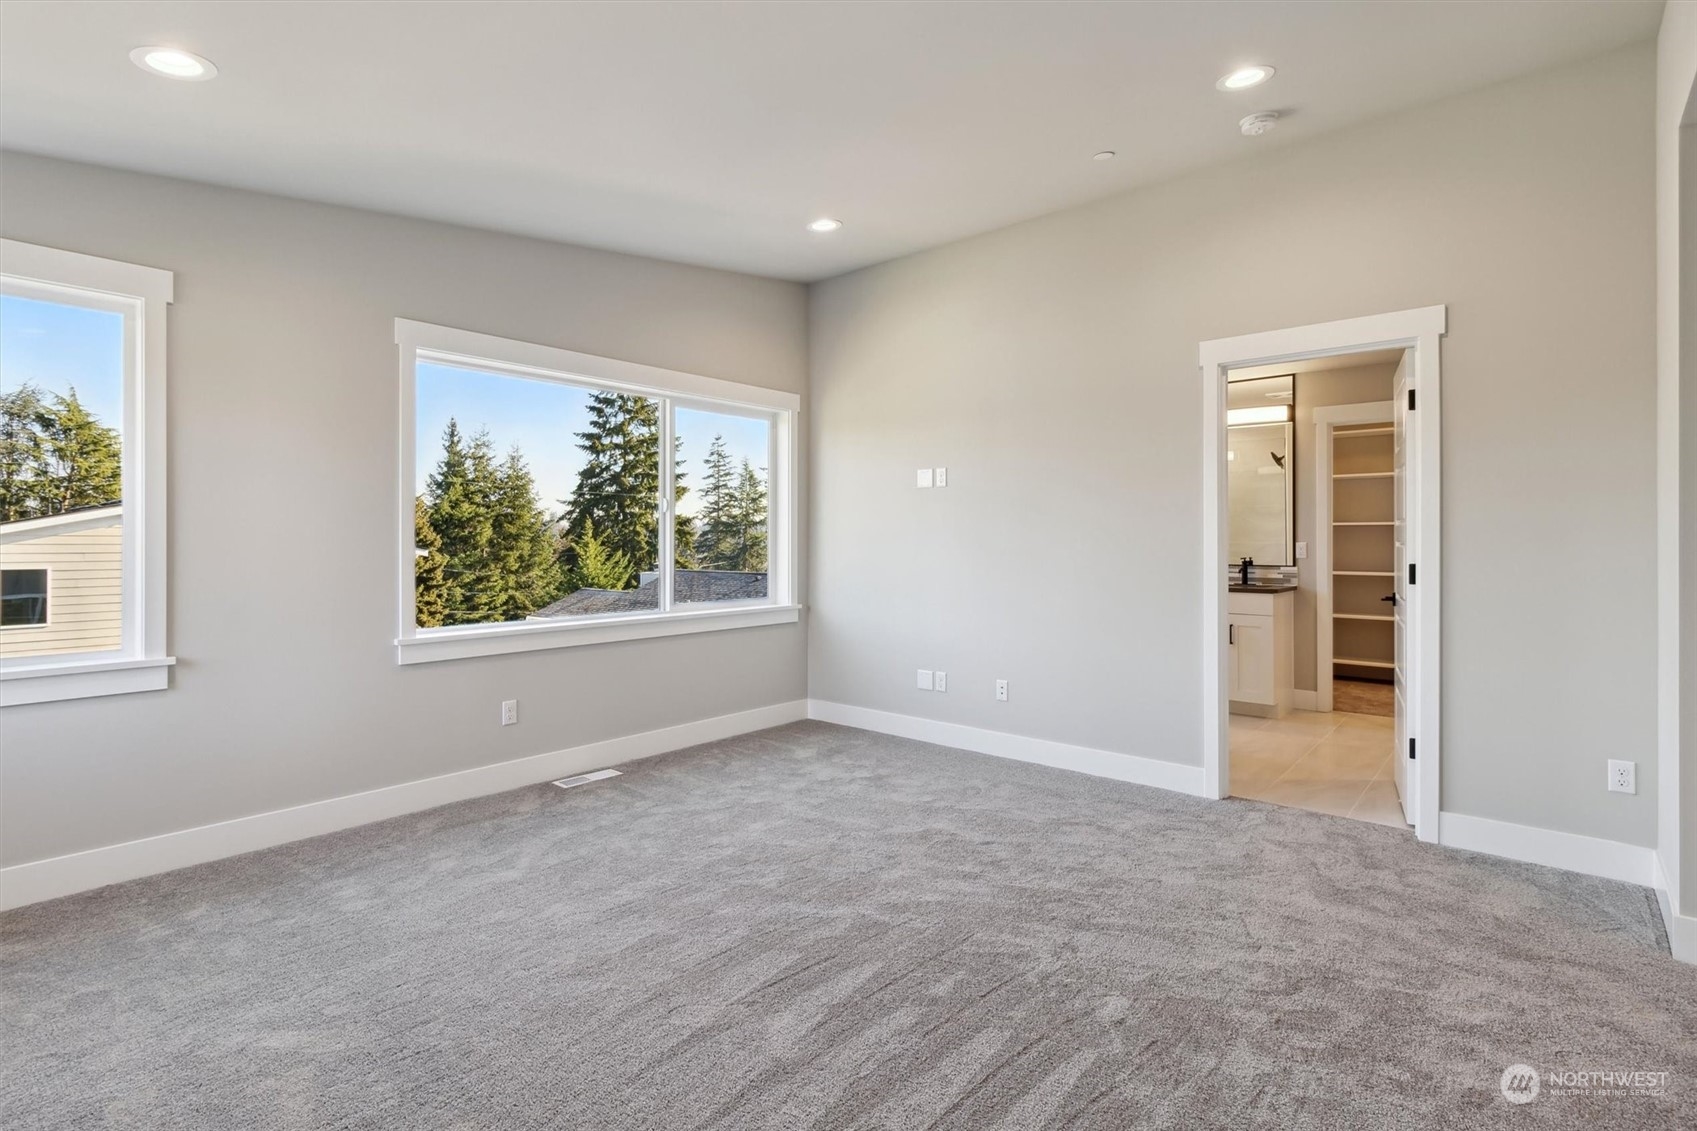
[1105,155]
[1245,77]
[173,63]
[824,224]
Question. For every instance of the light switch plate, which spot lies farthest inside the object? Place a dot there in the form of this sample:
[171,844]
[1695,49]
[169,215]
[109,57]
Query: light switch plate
[924,681]
[924,477]
[941,478]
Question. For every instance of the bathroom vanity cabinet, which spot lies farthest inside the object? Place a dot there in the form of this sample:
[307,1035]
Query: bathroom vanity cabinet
[1261,649]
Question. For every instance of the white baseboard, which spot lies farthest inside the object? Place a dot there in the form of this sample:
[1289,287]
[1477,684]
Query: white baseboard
[1682,929]
[1588,855]
[1305,700]
[21,884]
[1083,759]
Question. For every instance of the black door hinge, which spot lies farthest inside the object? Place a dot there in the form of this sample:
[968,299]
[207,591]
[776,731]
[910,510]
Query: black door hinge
[1411,748]
[1411,573]
[1411,400]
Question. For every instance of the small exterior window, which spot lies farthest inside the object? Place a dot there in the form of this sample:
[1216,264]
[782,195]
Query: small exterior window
[23,598]
[552,498]
[82,475]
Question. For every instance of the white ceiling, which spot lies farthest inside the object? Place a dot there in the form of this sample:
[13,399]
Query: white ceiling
[712,132]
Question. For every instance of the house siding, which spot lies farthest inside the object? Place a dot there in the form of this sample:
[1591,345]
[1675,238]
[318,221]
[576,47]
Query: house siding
[84,591]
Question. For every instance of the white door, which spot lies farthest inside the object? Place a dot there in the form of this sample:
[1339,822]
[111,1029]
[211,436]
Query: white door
[1403,601]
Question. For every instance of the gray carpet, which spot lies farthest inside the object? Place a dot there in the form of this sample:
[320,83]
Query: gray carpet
[816,927]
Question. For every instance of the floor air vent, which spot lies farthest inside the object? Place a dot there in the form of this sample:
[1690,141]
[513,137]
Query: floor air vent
[585,779]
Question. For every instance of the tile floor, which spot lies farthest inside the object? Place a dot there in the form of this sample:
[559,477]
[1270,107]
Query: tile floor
[1335,763]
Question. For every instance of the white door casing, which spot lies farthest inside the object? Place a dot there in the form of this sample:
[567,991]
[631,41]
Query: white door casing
[1419,331]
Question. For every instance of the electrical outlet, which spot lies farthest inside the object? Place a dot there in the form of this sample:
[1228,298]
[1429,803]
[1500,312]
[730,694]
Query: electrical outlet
[924,681]
[509,712]
[941,477]
[1001,691]
[923,478]
[1623,777]
[1301,550]
[939,681]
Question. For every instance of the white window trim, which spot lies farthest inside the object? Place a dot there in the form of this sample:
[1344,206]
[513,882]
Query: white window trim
[142,662]
[526,359]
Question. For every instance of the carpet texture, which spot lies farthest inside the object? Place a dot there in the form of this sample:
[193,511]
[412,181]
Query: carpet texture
[1363,697]
[817,927]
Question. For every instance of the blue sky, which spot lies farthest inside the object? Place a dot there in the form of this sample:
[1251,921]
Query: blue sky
[55,345]
[543,419]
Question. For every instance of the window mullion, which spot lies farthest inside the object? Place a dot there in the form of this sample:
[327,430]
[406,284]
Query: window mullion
[667,501]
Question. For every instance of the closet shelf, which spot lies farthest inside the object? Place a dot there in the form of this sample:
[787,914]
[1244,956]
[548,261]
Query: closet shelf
[1362,616]
[1344,435]
[1362,573]
[1357,662]
[1365,475]
[1387,523]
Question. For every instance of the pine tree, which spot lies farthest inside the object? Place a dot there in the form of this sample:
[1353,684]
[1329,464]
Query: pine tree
[717,539]
[55,456]
[750,516]
[461,491]
[618,487]
[83,465]
[22,421]
[432,594]
[524,574]
[598,567]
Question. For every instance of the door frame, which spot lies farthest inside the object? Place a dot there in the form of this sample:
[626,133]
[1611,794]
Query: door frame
[1419,330]
[1326,420]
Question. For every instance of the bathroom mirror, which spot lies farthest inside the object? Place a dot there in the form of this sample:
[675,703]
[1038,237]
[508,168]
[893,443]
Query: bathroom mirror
[1260,468]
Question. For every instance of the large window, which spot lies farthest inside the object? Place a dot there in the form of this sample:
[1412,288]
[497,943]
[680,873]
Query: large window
[82,475]
[552,498]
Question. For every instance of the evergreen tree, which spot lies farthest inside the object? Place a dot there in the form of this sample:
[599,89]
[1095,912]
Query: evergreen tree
[55,456]
[83,464]
[23,418]
[461,492]
[598,567]
[618,487]
[717,539]
[750,516]
[524,573]
[432,595]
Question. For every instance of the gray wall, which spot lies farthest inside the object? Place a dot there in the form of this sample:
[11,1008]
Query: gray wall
[1052,366]
[283,496]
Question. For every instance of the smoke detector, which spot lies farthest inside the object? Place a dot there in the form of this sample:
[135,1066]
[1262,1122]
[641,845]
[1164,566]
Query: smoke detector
[1257,124]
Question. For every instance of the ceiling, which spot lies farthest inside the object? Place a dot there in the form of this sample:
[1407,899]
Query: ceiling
[712,132]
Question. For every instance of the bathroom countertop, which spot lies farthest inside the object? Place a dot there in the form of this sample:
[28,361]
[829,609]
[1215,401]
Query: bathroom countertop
[1287,587]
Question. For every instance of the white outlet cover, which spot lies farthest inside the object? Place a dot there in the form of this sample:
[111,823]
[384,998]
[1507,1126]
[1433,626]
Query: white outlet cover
[1301,550]
[923,479]
[1625,773]
[941,477]
[1001,691]
[924,680]
[940,681]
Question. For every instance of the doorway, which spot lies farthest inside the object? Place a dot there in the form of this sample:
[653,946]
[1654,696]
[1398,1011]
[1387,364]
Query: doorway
[1401,749]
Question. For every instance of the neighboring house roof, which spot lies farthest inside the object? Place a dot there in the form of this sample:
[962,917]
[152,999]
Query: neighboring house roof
[68,522]
[689,585]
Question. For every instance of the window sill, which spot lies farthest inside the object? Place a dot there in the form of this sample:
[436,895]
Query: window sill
[51,682]
[528,636]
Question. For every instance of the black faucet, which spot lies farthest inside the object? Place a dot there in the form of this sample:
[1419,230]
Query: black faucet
[1244,567]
